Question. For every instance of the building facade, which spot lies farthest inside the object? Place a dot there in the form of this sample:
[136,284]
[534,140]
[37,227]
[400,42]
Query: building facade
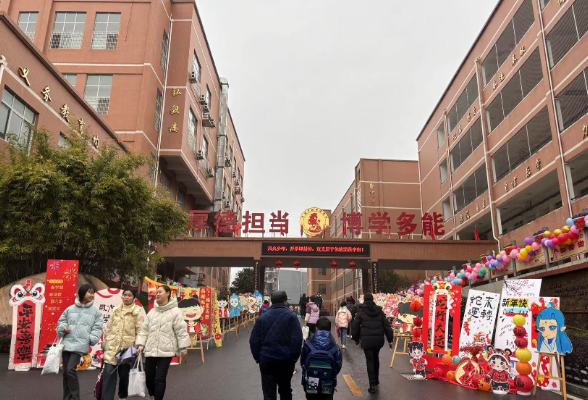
[147,70]
[504,152]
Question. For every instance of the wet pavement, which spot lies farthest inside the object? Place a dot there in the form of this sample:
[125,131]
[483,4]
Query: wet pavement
[231,373]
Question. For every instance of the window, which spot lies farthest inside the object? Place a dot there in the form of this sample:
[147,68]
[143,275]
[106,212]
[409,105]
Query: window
[68,30]
[348,278]
[63,142]
[196,67]
[27,21]
[322,271]
[97,92]
[208,97]
[158,105]
[526,142]
[567,32]
[164,50]
[443,171]
[466,146]
[71,78]
[106,29]
[463,103]
[322,288]
[446,209]
[544,3]
[506,43]
[16,118]
[521,84]
[165,182]
[471,189]
[204,147]
[182,198]
[440,135]
[572,102]
[192,123]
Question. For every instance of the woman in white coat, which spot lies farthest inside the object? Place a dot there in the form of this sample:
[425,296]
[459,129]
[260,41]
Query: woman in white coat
[164,335]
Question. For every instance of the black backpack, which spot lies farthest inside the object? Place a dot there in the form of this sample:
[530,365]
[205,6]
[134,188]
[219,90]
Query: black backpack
[320,371]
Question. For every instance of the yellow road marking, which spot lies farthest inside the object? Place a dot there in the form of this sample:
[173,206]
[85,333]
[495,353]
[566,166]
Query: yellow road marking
[352,386]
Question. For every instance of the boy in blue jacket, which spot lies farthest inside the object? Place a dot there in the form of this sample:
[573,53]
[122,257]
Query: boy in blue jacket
[275,344]
[325,361]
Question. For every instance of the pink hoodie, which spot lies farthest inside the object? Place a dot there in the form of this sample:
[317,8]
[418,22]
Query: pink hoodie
[343,317]
[312,313]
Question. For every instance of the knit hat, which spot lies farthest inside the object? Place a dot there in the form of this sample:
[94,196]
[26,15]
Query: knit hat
[279,296]
[368,297]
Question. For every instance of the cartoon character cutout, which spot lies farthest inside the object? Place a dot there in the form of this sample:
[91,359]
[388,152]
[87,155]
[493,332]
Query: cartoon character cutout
[416,351]
[244,303]
[258,299]
[223,311]
[252,304]
[19,293]
[405,317]
[552,336]
[192,311]
[499,374]
[234,306]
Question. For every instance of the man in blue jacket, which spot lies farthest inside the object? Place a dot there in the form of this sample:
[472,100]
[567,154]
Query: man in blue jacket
[276,342]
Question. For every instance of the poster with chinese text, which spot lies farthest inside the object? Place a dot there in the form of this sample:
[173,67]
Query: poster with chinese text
[442,302]
[479,319]
[61,286]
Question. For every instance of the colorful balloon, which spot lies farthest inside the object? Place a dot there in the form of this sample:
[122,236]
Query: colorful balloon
[570,222]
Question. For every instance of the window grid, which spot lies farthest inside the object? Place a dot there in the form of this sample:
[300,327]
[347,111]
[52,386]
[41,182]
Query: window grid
[192,130]
[16,118]
[205,147]
[164,50]
[27,21]
[471,189]
[157,116]
[440,136]
[68,30]
[572,102]
[196,66]
[97,93]
[71,78]
[568,31]
[467,145]
[544,3]
[106,29]
[463,103]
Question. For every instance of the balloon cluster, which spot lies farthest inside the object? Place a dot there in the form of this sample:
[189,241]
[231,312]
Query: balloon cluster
[523,383]
[468,274]
[563,237]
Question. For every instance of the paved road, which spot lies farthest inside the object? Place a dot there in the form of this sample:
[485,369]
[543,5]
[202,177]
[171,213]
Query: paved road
[231,373]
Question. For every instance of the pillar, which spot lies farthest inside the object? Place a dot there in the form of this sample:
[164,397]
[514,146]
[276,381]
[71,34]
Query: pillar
[365,281]
[259,276]
[375,278]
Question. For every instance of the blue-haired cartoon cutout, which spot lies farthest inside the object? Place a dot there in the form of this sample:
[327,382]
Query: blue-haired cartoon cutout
[258,299]
[234,306]
[552,336]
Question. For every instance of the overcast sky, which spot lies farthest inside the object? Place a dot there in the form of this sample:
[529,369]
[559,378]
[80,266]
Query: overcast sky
[317,84]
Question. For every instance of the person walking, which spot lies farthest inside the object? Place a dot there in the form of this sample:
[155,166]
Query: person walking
[264,308]
[303,305]
[353,310]
[80,326]
[275,343]
[121,332]
[322,351]
[370,327]
[342,320]
[312,315]
[163,335]
[319,301]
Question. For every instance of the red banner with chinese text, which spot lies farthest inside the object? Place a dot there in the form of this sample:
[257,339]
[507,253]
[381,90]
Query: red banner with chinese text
[440,324]
[24,333]
[61,286]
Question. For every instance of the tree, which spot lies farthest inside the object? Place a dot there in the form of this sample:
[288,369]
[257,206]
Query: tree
[244,281]
[74,203]
[391,282]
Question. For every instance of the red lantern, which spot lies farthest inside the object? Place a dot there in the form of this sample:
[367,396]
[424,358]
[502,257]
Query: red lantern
[521,342]
[523,384]
[520,331]
[416,334]
[334,265]
[416,306]
[418,322]
[297,264]
[279,264]
[352,265]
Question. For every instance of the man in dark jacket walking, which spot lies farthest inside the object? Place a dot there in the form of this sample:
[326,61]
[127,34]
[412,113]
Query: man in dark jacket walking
[370,326]
[276,342]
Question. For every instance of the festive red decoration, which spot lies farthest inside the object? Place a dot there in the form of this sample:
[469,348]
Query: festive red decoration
[523,384]
[416,306]
[334,264]
[418,322]
[416,333]
[352,265]
[297,264]
[450,376]
[520,331]
[524,368]
[476,379]
[484,385]
[279,264]
[447,360]
[521,342]
[438,373]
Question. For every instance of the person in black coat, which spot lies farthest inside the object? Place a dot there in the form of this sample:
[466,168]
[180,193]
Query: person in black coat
[276,343]
[303,305]
[370,326]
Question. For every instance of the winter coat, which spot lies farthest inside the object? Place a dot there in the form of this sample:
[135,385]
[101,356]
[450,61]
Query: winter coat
[121,331]
[312,313]
[323,340]
[263,309]
[352,309]
[164,333]
[343,317]
[370,326]
[85,322]
[276,336]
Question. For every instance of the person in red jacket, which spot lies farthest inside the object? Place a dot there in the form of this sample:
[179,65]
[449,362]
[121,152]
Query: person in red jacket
[264,308]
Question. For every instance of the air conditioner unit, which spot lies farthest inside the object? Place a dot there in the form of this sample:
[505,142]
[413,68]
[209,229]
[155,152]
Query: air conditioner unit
[199,155]
[210,172]
[237,189]
[208,121]
[227,162]
[193,77]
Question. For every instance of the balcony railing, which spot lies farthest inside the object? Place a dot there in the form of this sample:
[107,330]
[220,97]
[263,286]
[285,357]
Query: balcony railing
[104,40]
[100,104]
[66,40]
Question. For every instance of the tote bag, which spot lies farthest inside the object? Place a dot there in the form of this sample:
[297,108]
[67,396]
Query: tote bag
[53,360]
[137,386]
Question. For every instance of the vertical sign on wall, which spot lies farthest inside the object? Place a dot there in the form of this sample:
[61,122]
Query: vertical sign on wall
[479,319]
[442,302]
[61,286]
[26,301]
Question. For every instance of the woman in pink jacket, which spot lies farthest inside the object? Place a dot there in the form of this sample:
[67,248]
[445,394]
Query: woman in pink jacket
[312,315]
[342,320]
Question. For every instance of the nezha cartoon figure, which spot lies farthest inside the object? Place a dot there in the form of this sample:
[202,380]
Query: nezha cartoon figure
[192,311]
[223,311]
[499,374]
[234,306]
[552,336]
[416,351]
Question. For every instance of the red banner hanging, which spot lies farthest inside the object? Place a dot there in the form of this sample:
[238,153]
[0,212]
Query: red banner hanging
[440,324]
[61,286]
[442,301]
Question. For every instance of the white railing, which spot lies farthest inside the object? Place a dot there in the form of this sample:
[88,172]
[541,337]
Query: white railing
[100,104]
[66,40]
[104,40]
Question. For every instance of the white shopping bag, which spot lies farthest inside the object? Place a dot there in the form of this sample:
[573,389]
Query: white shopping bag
[137,386]
[305,332]
[53,360]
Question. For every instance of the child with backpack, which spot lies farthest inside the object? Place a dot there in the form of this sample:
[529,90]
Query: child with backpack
[321,361]
[264,308]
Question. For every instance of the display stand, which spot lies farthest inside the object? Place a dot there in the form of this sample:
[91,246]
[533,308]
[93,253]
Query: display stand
[245,321]
[559,362]
[233,328]
[194,338]
[407,337]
